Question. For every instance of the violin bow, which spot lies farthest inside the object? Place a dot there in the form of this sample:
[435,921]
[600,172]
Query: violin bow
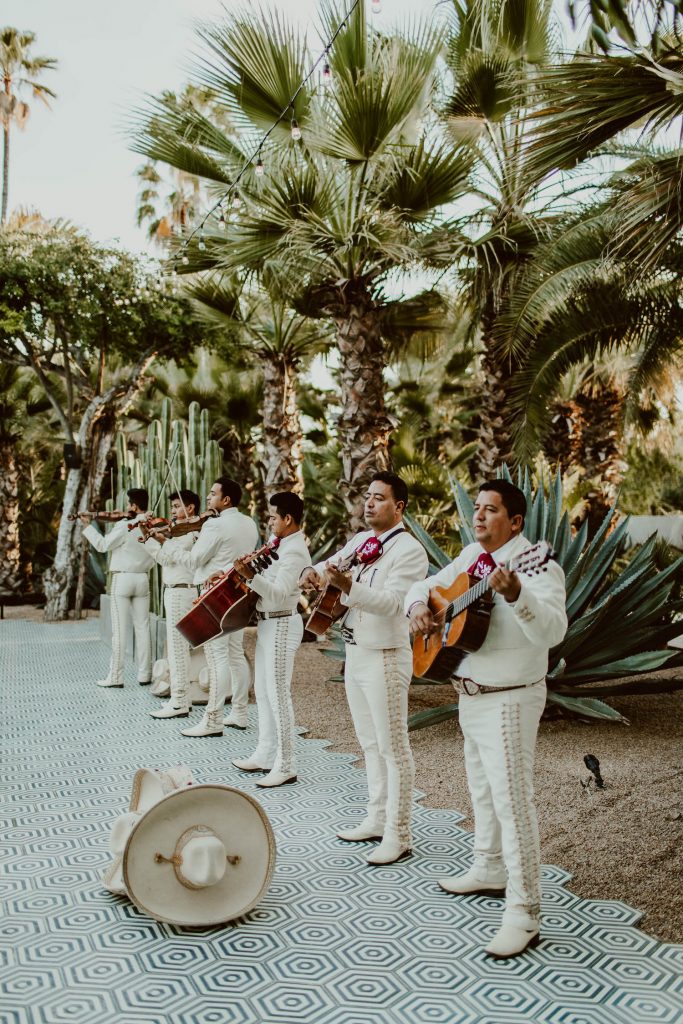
[175,484]
[163,482]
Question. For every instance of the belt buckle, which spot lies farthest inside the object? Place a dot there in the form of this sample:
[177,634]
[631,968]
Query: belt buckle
[470,682]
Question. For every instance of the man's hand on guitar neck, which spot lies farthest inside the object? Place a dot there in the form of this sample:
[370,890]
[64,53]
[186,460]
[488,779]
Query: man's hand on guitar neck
[310,579]
[421,620]
[341,580]
[505,583]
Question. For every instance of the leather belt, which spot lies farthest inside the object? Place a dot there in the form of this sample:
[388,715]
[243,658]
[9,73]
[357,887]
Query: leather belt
[347,635]
[177,586]
[472,689]
[276,615]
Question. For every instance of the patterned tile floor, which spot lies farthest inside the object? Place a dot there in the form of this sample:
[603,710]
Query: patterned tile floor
[334,941]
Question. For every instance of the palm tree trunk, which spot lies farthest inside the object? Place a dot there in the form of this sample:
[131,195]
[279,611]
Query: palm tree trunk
[283,456]
[10,553]
[364,426]
[495,442]
[103,438]
[5,167]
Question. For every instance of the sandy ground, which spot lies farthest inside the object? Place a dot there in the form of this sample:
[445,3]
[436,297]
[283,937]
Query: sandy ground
[622,843]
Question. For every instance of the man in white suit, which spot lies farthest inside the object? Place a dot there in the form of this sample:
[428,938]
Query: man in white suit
[379,661]
[129,568]
[221,540]
[502,695]
[280,629]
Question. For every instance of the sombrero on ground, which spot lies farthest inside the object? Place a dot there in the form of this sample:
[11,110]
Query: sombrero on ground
[200,856]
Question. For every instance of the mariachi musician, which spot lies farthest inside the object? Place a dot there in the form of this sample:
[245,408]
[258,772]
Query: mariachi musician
[379,662]
[129,566]
[502,695]
[179,593]
[280,629]
[221,540]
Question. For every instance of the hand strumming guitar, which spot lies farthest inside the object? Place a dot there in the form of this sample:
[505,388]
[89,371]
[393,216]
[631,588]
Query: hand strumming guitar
[421,620]
[341,580]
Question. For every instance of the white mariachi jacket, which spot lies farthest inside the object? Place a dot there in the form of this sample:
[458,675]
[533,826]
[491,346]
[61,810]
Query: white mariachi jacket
[172,572]
[127,554]
[515,651]
[378,590]
[277,586]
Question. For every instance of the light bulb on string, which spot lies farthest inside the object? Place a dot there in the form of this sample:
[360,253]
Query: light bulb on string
[295,130]
[259,169]
[185,260]
[236,201]
[327,73]
[221,219]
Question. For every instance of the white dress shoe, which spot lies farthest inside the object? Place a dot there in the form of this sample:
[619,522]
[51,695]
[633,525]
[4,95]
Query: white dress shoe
[247,764]
[108,682]
[476,881]
[361,833]
[171,710]
[231,721]
[274,778]
[389,851]
[510,941]
[210,725]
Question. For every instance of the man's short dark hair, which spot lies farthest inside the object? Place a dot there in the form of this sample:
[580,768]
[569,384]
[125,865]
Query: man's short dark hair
[230,489]
[511,496]
[139,496]
[287,503]
[186,498]
[399,488]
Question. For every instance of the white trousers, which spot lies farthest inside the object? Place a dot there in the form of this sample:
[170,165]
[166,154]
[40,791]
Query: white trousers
[377,692]
[277,641]
[500,737]
[228,673]
[177,602]
[130,602]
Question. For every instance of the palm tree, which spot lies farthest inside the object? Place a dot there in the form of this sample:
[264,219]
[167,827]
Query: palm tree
[331,219]
[20,71]
[280,342]
[594,99]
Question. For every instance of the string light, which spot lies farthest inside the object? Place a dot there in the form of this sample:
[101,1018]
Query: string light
[259,169]
[221,219]
[236,201]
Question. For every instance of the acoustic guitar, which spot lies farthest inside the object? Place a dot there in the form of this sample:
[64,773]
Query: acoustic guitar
[228,604]
[327,607]
[462,613]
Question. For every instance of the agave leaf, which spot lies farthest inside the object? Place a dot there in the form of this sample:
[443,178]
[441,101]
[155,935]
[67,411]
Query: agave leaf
[437,557]
[433,716]
[574,552]
[465,511]
[588,706]
[642,662]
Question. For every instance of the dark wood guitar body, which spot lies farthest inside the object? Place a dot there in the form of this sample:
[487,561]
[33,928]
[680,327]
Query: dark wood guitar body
[226,606]
[326,609]
[433,658]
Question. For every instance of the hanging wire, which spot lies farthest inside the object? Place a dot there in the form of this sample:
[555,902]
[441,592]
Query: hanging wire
[181,254]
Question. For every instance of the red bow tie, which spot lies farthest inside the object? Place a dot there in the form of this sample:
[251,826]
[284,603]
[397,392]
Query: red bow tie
[483,566]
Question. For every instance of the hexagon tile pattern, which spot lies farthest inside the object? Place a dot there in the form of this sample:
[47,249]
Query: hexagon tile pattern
[335,941]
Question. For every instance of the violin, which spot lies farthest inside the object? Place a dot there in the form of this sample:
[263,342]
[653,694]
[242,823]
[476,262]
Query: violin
[175,527]
[103,517]
[152,523]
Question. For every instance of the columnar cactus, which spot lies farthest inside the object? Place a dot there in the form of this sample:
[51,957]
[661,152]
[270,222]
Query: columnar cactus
[195,460]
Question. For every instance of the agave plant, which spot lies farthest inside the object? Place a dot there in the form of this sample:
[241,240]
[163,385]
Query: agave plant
[621,608]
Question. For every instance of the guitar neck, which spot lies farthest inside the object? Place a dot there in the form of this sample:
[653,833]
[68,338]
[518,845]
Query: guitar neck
[465,600]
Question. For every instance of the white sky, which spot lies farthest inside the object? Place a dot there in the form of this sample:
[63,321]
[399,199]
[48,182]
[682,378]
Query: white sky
[72,161]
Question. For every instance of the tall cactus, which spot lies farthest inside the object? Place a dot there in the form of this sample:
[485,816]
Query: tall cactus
[196,462]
